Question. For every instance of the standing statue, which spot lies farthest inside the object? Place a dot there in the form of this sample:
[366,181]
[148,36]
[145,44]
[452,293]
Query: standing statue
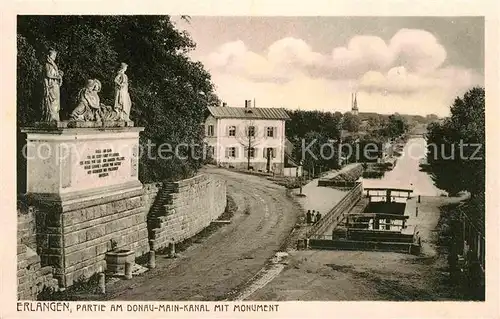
[51,84]
[88,102]
[122,98]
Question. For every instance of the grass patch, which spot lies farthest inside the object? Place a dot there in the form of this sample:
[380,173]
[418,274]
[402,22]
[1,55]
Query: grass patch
[82,289]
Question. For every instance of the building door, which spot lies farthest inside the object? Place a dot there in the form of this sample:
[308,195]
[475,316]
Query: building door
[268,157]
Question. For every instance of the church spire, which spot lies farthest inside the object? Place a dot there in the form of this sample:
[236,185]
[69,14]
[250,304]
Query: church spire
[354,109]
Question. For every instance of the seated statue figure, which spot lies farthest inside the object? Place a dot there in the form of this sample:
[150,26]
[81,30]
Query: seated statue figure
[88,102]
[90,108]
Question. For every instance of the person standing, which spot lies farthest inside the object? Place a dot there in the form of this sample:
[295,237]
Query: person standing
[122,97]
[318,216]
[52,81]
[308,217]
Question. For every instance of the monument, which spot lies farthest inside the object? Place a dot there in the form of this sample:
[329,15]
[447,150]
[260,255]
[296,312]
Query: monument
[82,177]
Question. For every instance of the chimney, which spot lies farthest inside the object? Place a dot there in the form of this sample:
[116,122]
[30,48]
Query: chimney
[248,103]
[224,104]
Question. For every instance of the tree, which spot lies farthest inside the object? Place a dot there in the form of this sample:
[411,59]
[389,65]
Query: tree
[302,122]
[315,151]
[446,170]
[395,126]
[169,91]
[457,146]
[306,126]
[351,122]
[431,118]
[374,121]
[249,137]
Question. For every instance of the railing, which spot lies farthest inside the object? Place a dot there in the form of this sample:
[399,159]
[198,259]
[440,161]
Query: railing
[335,215]
[325,182]
[324,237]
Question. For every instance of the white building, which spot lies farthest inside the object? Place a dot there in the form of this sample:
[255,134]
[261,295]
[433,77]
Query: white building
[234,134]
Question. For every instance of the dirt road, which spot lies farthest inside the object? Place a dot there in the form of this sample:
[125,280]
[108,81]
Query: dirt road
[227,259]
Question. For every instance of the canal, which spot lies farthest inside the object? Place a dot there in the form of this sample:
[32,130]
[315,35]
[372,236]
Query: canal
[407,173]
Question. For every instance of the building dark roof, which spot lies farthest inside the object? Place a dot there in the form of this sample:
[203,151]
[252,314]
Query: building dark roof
[267,113]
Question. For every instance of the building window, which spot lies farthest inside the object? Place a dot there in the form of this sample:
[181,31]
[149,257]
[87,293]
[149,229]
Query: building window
[231,152]
[251,152]
[210,130]
[271,132]
[251,131]
[271,151]
[211,151]
[232,131]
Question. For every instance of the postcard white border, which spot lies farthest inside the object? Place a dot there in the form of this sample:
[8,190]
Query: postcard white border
[489,9]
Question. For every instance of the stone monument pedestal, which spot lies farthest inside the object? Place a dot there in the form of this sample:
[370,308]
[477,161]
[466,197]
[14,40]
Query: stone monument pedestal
[83,180]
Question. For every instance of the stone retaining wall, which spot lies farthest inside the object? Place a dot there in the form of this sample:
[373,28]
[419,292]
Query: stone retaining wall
[31,276]
[69,241]
[182,209]
[75,239]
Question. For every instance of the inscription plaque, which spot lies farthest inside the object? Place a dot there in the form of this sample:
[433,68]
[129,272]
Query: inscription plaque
[102,162]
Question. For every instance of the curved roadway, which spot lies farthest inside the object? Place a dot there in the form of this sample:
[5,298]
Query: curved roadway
[222,263]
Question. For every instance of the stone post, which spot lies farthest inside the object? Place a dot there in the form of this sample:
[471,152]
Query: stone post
[416,212]
[419,199]
[171,247]
[128,270]
[102,283]
[151,260]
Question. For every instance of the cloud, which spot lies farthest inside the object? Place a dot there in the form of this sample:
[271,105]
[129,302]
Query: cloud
[409,65]
[361,54]
[399,80]
[235,58]
[417,50]
[293,52]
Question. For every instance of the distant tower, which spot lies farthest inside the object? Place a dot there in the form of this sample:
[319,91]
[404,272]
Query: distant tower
[354,109]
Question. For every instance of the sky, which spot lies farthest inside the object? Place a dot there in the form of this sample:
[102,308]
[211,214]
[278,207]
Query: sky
[410,65]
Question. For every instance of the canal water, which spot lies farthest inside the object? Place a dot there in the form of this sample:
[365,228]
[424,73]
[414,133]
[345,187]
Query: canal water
[406,173]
